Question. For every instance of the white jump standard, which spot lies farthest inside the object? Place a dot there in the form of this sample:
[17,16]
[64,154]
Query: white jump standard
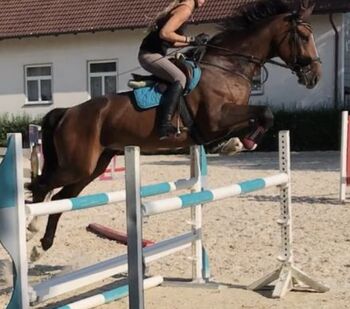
[344,156]
[287,275]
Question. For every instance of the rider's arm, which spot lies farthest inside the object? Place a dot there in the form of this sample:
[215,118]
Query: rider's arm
[179,17]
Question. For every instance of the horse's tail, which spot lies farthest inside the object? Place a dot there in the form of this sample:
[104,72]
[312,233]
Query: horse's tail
[48,126]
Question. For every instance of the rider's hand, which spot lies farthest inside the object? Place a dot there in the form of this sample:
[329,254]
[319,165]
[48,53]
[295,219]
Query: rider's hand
[199,40]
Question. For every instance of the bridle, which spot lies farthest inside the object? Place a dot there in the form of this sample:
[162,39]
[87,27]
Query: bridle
[296,65]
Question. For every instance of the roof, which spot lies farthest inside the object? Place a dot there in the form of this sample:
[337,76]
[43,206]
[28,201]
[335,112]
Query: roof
[25,18]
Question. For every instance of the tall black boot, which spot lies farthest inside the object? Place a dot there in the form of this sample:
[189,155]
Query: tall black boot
[168,106]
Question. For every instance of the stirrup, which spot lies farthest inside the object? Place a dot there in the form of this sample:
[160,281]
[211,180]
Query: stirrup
[167,131]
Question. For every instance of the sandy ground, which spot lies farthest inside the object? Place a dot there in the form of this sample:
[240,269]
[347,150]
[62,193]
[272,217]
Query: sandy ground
[240,235]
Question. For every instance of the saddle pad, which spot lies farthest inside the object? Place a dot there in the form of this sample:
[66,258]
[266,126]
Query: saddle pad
[147,97]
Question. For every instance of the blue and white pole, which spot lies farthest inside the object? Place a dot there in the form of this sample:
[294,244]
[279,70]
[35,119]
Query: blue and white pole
[206,196]
[101,199]
[111,296]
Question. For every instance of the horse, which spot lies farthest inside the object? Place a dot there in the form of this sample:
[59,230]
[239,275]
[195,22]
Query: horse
[79,142]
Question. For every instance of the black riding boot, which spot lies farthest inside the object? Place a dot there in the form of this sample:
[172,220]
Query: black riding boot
[168,106]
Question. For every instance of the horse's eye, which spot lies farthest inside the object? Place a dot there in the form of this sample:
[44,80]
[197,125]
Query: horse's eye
[304,38]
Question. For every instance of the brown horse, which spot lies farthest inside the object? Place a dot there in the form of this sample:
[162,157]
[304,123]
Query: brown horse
[79,142]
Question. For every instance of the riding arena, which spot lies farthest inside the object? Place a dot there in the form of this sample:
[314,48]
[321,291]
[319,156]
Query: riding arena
[94,215]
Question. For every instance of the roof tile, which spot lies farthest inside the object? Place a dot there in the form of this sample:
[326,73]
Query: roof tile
[21,18]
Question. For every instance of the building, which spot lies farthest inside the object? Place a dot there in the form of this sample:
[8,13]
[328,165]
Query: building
[58,53]
[347,60]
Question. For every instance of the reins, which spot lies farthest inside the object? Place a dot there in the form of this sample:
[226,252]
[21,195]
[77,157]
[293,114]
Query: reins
[295,67]
[247,58]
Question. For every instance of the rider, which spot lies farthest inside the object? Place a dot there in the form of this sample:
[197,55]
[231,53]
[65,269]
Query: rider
[168,32]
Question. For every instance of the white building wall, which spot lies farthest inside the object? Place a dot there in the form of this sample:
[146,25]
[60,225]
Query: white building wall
[69,55]
[347,50]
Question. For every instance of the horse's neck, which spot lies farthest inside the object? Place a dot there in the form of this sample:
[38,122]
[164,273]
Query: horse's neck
[257,46]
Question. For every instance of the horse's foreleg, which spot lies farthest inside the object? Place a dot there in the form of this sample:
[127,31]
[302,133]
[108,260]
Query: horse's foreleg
[257,119]
[258,127]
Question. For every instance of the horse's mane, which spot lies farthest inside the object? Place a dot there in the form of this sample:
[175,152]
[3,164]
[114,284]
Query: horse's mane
[248,16]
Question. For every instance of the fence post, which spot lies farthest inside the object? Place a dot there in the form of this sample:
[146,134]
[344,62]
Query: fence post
[134,227]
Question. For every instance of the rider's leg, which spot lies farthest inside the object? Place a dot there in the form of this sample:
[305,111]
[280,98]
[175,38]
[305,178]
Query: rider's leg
[168,105]
[166,70]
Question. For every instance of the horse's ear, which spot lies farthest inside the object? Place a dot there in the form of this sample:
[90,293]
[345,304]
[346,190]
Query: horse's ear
[306,7]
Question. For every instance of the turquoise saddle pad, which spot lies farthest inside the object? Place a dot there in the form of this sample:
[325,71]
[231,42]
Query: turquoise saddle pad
[148,97]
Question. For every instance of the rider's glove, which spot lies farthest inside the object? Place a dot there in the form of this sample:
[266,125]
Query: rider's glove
[198,40]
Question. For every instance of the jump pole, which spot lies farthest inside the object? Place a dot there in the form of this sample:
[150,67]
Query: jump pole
[110,296]
[344,156]
[112,234]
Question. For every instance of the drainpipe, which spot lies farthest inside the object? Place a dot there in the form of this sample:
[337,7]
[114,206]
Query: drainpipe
[336,60]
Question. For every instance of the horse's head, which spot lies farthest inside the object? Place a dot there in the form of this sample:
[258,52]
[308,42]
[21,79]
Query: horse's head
[295,44]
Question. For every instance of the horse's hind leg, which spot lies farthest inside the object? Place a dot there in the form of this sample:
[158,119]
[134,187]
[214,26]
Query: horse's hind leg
[70,191]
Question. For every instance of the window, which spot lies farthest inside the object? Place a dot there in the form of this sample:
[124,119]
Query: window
[38,84]
[257,85]
[102,77]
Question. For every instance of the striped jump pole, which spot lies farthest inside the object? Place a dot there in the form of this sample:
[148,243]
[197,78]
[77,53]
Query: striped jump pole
[344,156]
[189,200]
[111,295]
[286,276]
[101,199]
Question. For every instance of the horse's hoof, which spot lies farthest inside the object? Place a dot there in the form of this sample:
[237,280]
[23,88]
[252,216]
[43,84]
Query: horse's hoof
[249,144]
[46,244]
[33,224]
[29,235]
[36,254]
[6,273]
[232,146]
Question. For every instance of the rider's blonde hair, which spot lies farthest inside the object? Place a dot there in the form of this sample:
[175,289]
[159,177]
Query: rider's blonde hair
[163,13]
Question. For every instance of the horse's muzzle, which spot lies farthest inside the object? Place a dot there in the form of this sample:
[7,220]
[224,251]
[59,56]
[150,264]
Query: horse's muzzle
[310,75]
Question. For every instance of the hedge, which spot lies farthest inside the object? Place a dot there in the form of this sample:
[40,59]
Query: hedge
[309,130]
[18,124]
